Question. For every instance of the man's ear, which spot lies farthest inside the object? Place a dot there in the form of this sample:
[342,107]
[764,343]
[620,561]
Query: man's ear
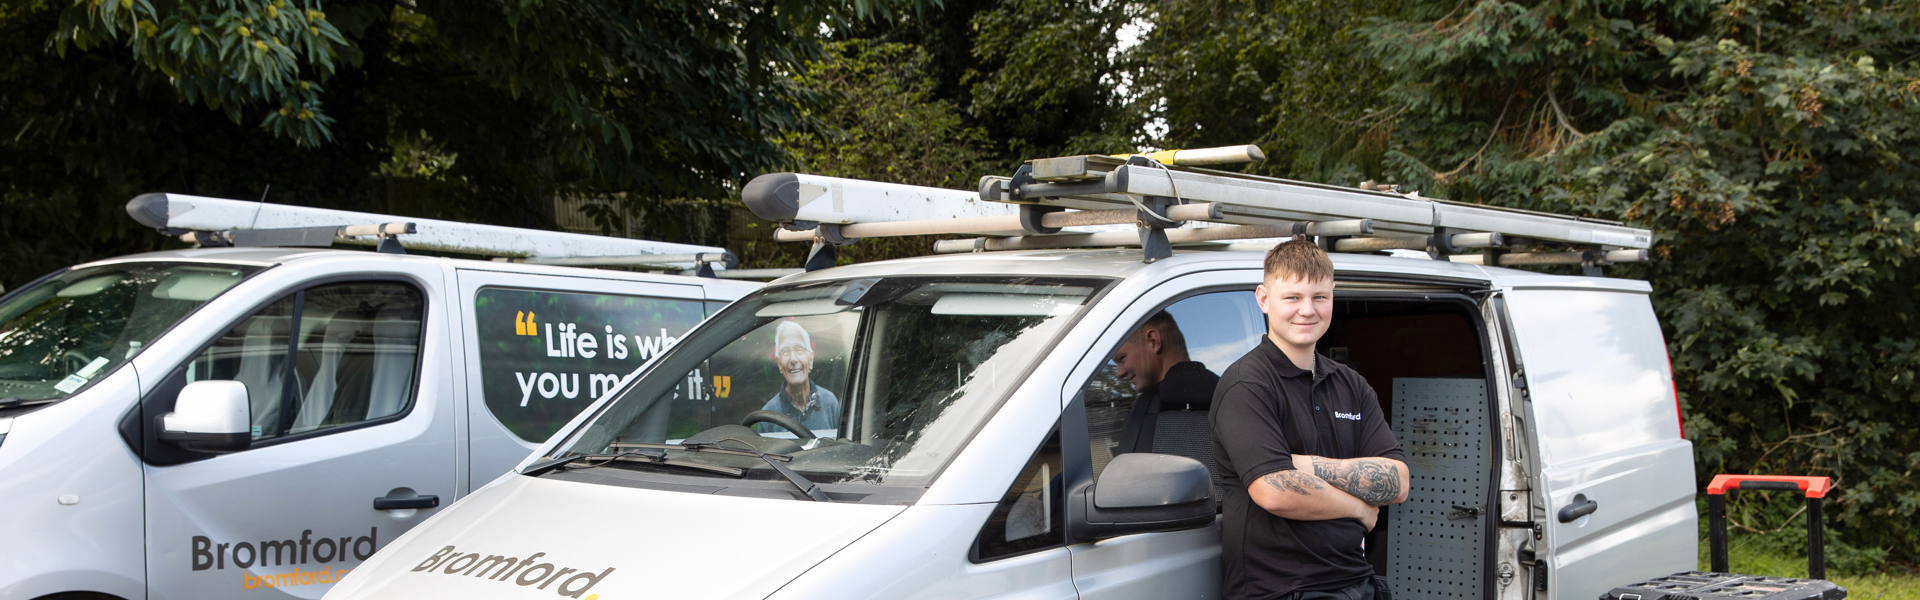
[1151,339]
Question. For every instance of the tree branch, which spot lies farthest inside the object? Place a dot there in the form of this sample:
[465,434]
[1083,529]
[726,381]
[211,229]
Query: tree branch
[1483,147]
[1559,114]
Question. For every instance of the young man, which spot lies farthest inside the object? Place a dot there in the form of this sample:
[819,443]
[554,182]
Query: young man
[1155,360]
[1303,450]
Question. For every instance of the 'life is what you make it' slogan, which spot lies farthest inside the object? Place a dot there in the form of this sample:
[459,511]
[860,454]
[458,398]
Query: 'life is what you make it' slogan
[545,356]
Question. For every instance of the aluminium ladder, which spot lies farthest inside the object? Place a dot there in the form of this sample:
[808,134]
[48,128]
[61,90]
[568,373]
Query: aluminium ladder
[1056,202]
[216,222]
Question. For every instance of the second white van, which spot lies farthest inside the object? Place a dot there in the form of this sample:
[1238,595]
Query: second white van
[257,422]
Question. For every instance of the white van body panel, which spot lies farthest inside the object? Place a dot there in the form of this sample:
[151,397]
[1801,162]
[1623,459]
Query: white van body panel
[923,554]
[127,531]
[1646,524]
[98,544]
[1591,347]
[1601,400]
[1004,443]
[325,484]
[722,546]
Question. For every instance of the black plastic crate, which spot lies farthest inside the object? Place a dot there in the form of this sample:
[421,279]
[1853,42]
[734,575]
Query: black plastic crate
[1701,585]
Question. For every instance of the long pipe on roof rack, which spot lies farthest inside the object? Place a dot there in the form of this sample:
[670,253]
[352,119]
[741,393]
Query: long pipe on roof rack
[757,273]
[665,261]
[1416,242]
[260,224]
[295,236]
[1203,211]
[1552,258]
[1175,236]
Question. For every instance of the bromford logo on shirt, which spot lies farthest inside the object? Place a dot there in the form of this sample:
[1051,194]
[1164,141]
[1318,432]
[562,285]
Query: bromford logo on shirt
[1348,416]
[527,572]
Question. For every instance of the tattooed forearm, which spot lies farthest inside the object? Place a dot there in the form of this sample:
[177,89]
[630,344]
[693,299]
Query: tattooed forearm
[1294,481]
[1375,481]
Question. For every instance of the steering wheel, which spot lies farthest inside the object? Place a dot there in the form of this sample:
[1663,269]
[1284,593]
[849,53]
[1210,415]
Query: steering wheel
[784,420]
[72,361]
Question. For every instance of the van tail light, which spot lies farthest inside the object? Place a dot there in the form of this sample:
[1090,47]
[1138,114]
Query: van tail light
[1678,418]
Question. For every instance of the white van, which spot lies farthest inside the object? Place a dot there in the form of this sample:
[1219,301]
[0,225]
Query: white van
[970,448]
[256,422]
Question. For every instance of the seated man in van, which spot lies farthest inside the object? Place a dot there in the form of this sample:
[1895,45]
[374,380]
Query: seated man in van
[1155,360]
[1302,447]
[812,405]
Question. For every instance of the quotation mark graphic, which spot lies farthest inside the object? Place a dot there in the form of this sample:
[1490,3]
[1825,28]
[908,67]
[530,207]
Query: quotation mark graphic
[523,324]
[722,385]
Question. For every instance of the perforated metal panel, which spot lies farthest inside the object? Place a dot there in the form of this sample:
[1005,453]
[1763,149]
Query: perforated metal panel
[1434,550]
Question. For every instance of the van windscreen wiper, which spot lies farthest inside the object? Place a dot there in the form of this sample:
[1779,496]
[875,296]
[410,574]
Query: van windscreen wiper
[807,486]
[573,462]
[702,447]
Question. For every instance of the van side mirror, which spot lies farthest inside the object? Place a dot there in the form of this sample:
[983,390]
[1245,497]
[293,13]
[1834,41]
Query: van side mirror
[210,416]
[1142,493]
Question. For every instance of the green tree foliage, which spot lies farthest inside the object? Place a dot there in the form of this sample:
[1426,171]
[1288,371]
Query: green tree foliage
[884,123]
[1262,72]
[481,111]
[1770,144]
[1772,147]
[699,82]
[225,53]
[1040,78]
[86,132]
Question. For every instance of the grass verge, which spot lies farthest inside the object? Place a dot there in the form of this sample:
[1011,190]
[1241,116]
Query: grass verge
[1747,554]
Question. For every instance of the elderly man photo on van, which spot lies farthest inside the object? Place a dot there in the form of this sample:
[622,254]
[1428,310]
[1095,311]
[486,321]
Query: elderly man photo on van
[800,398]
[1155,359]
[1303,449]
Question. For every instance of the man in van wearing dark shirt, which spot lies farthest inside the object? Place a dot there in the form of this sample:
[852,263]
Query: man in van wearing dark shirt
[1304,452]
[1155,360]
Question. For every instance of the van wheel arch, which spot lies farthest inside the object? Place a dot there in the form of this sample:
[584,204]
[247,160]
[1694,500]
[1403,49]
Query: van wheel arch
[79,596]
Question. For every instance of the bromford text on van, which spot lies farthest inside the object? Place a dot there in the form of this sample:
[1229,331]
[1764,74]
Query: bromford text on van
[256,422]
[960,441]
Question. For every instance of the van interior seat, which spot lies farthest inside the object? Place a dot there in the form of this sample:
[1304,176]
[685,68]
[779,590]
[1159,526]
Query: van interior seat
[396,342]
[263,369]
[318,400]
[1188,433]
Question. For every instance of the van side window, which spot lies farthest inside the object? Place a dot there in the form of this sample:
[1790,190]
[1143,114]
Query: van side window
[1153,393]
[1029,515]
[253,353]
[354,350]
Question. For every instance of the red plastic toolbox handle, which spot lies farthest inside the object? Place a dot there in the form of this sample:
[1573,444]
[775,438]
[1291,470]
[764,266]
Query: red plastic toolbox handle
[1815,487]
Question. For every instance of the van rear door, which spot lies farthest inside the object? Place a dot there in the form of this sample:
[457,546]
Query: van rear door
[1616,474]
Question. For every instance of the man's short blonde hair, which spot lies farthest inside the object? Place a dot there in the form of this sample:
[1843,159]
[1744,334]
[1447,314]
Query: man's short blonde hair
[1298,258]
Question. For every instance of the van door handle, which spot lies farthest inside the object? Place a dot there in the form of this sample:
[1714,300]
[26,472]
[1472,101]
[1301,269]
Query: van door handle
[390,503]
[1581,507]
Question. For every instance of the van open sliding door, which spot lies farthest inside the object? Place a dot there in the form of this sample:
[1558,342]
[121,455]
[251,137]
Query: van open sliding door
[1616,474]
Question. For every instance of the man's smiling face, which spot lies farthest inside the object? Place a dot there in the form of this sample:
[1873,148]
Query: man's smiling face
[1299,311]
[794,358]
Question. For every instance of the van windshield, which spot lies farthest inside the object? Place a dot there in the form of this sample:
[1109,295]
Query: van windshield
[862,382]
[67,331]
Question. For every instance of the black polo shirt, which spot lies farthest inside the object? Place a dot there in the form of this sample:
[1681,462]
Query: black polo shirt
[1264,411]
